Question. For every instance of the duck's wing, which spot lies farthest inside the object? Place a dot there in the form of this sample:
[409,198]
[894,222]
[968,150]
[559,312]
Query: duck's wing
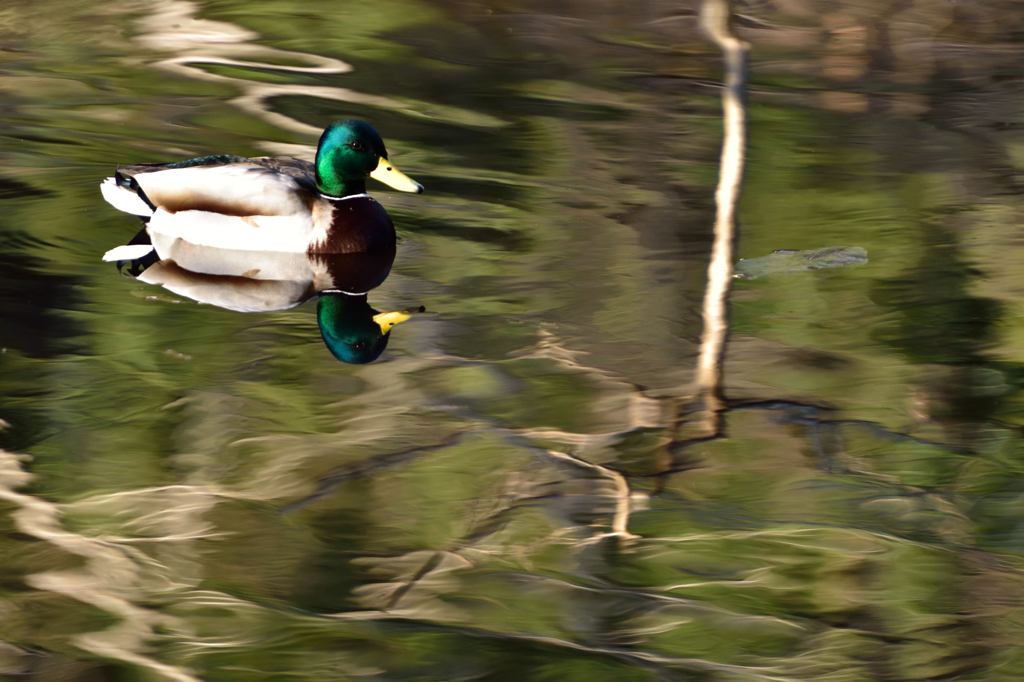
[204,161]
[304,172]
[222,184]
[122,191]
[238,189]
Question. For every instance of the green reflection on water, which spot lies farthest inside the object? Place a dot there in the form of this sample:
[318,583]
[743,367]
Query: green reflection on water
[246,507]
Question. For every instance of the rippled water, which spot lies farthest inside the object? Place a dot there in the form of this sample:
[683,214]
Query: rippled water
[515,489]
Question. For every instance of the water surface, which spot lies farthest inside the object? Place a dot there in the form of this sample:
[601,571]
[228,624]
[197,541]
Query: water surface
[510,491]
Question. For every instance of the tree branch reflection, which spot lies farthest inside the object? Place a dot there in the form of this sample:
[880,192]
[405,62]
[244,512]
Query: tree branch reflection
[715,20]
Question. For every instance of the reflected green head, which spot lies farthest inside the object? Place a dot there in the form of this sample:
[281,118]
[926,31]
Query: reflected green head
[348,152]
[348,328]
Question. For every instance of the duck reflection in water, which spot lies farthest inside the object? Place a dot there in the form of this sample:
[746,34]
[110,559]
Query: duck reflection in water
[254,281]
[270,233]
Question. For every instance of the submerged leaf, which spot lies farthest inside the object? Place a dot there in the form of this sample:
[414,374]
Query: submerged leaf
[786,261]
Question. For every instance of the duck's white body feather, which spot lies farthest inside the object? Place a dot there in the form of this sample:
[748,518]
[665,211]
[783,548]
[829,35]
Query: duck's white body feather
[292,234]
[127,252]
[252,264]
[237,206]
[244,281]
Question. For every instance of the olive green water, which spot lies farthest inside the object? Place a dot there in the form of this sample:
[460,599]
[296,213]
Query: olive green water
[191,493]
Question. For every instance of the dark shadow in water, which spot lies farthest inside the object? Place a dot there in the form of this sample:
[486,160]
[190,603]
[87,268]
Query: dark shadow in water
[35,324]
[14,189]
[939,322]
[31,301]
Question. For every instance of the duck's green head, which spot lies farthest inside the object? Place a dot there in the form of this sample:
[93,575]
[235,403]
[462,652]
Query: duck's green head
[351,151]
[353,331]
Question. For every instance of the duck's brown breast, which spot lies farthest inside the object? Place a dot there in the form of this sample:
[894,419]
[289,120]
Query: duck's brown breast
[355,225]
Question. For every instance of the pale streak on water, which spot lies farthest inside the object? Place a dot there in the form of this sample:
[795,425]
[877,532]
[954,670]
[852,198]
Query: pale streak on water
[173,27]
[112,579]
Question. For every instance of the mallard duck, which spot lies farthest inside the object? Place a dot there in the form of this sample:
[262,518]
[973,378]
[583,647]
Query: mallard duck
[266,204]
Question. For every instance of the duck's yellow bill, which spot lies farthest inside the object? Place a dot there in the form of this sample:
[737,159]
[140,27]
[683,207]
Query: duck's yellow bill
[388,320]
[391,176]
